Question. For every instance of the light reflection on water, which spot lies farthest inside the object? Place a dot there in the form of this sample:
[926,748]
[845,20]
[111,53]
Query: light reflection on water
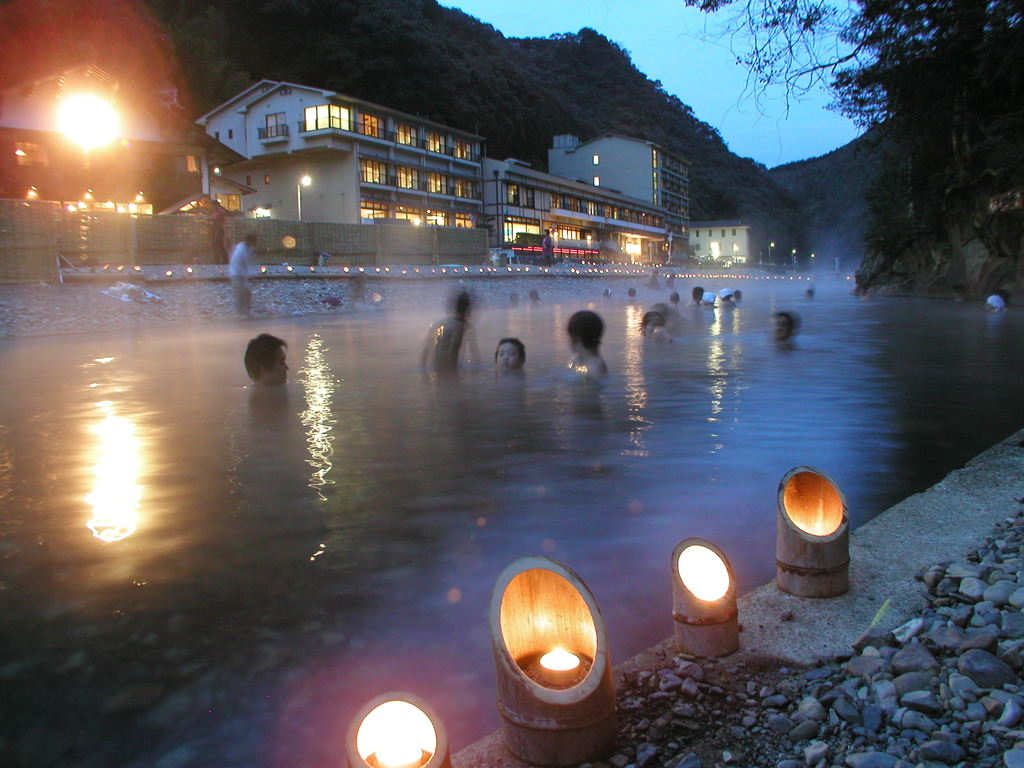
[354,522]
[115,497]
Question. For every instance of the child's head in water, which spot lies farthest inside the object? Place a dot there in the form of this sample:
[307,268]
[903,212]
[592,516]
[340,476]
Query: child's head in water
[265,360]
[585,329]
[650,321]
[510,355]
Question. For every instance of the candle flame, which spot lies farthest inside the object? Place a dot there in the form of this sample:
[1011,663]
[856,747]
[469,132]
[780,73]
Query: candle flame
[560,660]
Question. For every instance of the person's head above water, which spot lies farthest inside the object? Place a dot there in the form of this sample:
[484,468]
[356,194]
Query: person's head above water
[650,320]
[673,297]
[697,293]
[785,325]
[585,328]
[534,296]
[265,360]
[510,354]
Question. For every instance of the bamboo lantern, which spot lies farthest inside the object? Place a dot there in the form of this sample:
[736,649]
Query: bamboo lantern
[813,535]
[555,693]
[397,730]
[703,599]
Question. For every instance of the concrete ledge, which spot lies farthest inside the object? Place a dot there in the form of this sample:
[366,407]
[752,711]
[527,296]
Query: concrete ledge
[942,524]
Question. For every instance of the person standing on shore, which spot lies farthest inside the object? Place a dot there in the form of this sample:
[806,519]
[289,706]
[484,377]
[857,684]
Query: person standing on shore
[240,266]
[216,218]
[547,248]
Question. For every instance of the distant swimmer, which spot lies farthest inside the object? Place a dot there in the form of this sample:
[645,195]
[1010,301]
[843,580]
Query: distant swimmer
[534,297]
[708,299]
[784,327]
[997,301]
[697,295]
[652,326]
[585,330]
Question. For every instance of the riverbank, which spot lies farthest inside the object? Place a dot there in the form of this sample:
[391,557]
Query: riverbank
[83,304]
[919,664]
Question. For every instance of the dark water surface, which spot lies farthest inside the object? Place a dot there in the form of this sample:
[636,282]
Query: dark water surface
[188,566]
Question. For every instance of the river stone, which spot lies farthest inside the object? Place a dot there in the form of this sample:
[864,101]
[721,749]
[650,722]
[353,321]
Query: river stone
[870,760]
[815,752]
[973,589]
[808,729]
[946,637]
[1017,598]
[985,669]
[873,718]
[917,721]
[670,682]
[913,658]
[1012,624]
[944,751]
[922,701]
[689,669]
[780,723]
[988,643]
[1014,758]
[689,760]
[962,685]
[873,637]
[865,666]
[912,681]
[645,753]
[812,708]
[1011,714]
[845,710]
[1000,592]
[908,630]
[885,695]
[963,571]
[689,687]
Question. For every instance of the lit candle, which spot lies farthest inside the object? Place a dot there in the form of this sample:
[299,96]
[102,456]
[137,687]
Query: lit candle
[399,755]
[559,667]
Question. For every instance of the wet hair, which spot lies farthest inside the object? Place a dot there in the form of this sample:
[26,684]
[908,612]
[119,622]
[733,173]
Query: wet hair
[513,299]
[261,354]
[461,304]
[631,292]
[737,295]
[515,343]
[586,327]
[534,296]
[697,293]
[674,297]
[652,319]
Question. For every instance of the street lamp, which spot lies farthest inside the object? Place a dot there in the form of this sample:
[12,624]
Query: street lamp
[770,246]
[794,258]
[305,181]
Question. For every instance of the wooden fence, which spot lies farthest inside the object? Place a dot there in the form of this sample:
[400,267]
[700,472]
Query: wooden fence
[34,235]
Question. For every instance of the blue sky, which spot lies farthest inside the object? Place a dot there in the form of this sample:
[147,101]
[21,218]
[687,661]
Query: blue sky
[677,45]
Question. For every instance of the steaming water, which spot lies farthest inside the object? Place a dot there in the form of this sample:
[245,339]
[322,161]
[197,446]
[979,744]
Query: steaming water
[251,569]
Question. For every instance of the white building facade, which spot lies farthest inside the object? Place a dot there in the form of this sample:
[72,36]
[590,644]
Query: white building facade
[317,155]
[724,243]
[587,221]
[636,168]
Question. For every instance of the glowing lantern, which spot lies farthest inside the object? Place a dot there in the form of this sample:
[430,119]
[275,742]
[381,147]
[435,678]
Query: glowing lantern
[703,599]
[555,693]
[812,535]
[397,730]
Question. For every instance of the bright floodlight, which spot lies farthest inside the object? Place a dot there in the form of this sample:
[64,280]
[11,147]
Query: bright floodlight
[703,572]
[398,733]
[305,181]
[88,120]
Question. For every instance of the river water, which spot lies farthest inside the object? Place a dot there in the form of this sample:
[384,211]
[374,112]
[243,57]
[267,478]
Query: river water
[187,565]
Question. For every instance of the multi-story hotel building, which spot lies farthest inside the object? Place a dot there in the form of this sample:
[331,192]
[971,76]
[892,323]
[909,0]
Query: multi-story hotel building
[635,167]
[586,220]
[318,155]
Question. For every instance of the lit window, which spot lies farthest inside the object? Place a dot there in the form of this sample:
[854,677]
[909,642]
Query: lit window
[266,179]
[463,188]
[462,150]
[437,218]
[597,181]
[435,184]
[597,159]
[404,134]
[372,171]
[191,164]
[230,202]
[327,116]
[368,210]
[435,142]
[463,220]
[408,214]
[371,126]
[408,178]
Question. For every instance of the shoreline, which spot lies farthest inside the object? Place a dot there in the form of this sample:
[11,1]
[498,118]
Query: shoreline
[869,679]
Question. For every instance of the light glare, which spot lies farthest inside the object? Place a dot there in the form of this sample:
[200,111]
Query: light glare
[703,573]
